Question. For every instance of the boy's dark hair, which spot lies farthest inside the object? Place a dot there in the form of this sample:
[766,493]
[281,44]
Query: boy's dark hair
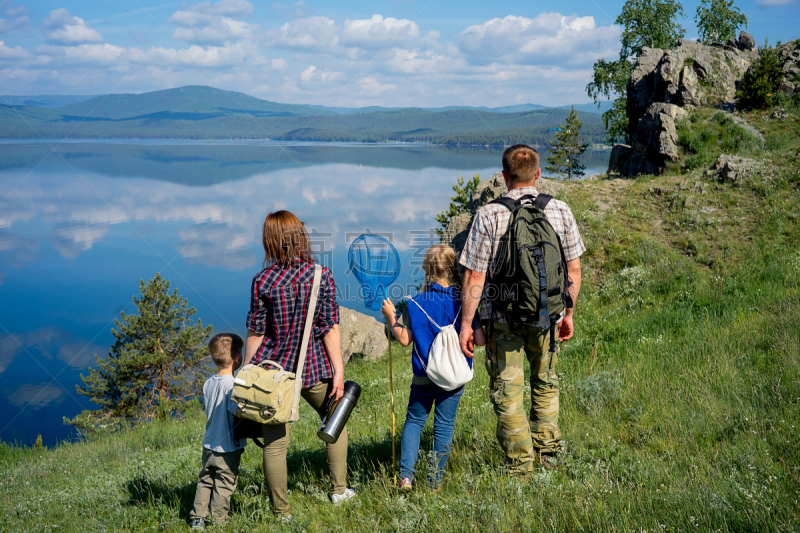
[222,347]
[520,163]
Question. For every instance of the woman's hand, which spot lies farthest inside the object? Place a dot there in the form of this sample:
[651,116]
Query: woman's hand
[338,387]
[389,311]
[333,346]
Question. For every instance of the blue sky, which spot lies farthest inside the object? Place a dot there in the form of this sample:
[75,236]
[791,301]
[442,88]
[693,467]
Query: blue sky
[344,53]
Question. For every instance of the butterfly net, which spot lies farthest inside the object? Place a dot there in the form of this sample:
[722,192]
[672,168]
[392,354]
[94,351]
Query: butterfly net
[376,265]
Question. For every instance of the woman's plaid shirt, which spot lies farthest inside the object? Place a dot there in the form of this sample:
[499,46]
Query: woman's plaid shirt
[491,223]
[278,305]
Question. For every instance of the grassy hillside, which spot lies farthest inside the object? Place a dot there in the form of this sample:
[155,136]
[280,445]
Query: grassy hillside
[205,113]
[680,394]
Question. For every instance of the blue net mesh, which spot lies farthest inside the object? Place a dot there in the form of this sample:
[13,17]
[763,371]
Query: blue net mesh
[376,265]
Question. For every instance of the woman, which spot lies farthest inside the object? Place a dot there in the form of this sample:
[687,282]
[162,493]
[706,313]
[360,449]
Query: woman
[278,306]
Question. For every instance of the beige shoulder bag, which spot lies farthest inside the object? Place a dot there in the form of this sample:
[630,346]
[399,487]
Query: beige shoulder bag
[267,393]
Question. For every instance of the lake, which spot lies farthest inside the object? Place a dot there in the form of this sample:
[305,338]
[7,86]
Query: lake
[82,222]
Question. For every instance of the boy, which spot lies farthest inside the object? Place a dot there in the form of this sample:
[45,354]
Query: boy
[221,453]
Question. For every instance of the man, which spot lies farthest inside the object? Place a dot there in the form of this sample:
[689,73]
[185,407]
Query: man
[521,441]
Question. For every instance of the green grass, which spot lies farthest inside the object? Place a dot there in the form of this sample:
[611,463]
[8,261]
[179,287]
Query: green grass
[706,133]
[680,396]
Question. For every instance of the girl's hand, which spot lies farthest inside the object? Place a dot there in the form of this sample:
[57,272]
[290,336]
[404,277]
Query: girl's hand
[389,311]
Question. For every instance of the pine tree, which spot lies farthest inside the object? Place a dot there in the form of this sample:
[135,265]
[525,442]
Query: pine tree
[565,153]
[459,203]
[158,362]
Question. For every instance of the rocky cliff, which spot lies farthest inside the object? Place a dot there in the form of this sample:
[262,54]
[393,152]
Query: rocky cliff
[665,84]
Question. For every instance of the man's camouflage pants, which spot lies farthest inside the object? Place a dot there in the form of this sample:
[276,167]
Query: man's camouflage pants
[523,439]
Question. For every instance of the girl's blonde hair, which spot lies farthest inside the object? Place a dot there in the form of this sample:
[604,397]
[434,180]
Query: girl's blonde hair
[440,265]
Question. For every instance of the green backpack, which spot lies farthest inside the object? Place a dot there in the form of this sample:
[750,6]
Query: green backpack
[528,280]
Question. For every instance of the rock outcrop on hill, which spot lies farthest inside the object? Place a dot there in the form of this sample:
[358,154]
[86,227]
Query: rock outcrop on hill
[362,335]
[489,189]
[789,55]
[664,85]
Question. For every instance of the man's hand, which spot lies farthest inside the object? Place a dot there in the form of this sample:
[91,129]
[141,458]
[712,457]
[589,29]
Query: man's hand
[565,329]
[467,340]
[471,298]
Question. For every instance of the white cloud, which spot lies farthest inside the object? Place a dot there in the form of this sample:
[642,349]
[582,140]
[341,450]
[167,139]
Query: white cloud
[377,32]
[370,85]
[6,52]
[308,194]
[207,23]
[290,11]
[107,54]
[63,28]
[228,8]
[16,17]
[548,38]
[313,33]
[774,3]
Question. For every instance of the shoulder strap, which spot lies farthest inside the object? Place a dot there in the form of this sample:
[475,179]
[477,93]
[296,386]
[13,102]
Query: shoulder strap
[426,314]
[312,306]
[456,319]
[542,200]
[508,203]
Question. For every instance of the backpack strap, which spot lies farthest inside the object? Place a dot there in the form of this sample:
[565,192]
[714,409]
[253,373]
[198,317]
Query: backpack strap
[542,200]
[312,306]
[456,319]
[426,314]
[544,317]
[505,201]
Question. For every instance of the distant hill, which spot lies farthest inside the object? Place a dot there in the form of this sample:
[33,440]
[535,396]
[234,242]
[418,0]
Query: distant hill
[197,112]
[44,100]
[193,99]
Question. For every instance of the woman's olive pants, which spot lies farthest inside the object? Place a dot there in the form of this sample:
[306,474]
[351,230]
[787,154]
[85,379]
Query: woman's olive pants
[276,442]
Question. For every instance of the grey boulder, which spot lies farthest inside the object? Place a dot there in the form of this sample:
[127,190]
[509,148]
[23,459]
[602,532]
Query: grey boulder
[362,335]
[746,41]
[733,169]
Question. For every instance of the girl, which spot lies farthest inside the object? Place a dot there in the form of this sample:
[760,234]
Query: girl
[441,302]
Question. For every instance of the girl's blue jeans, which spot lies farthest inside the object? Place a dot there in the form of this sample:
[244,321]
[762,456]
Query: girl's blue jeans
[420,401]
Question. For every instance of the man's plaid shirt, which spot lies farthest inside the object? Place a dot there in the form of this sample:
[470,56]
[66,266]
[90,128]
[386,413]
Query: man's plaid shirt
[278,305]
[491,223]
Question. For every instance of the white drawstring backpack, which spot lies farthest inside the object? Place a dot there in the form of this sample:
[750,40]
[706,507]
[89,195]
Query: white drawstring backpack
[447,366]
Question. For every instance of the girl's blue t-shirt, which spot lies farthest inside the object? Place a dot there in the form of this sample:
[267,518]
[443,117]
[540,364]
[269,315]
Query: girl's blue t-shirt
[443,305]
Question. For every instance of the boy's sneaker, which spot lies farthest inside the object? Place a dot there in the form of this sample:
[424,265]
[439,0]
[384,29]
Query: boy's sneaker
[348,494]
[405,485]
[198,523]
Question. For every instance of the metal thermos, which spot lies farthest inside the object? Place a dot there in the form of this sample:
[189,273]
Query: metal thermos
[338,413]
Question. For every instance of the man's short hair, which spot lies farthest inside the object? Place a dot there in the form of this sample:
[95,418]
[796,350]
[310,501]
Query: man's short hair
[223,346]
[520,163]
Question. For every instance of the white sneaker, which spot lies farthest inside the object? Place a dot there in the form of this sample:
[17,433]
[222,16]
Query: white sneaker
[348,494]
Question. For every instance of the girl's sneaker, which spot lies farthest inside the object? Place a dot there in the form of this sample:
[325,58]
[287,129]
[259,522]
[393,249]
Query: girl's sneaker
[343,497]
[404,485]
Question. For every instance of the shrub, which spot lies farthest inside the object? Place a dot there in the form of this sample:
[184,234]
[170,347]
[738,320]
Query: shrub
[597,390]
[761,81]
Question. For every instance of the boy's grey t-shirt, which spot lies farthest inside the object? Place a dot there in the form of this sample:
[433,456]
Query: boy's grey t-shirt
[219,420]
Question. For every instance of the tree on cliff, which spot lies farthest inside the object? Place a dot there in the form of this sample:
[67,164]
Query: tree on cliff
[651,23]
[158,362]
[718,20]
[459,203]
[565,153]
